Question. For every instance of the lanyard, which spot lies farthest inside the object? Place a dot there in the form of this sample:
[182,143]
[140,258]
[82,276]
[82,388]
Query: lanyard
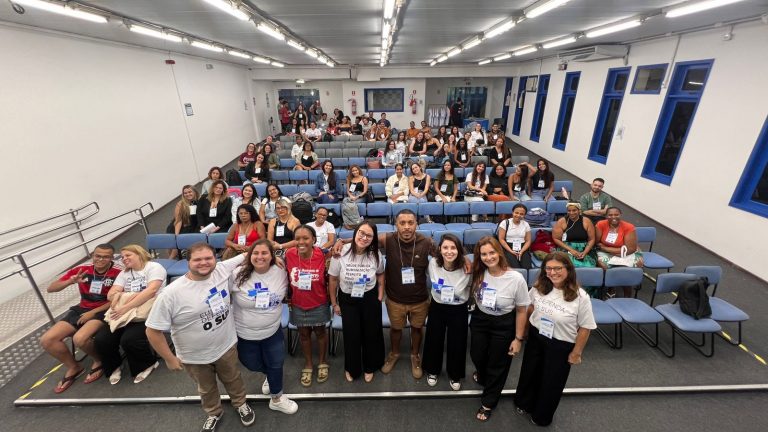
[400,249]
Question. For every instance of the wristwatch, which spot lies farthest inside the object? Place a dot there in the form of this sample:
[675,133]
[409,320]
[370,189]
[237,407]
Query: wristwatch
[520,339]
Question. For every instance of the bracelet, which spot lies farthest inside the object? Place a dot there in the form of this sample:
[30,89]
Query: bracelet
[520,339]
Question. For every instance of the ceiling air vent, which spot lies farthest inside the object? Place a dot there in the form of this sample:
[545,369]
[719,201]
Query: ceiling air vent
[594,53]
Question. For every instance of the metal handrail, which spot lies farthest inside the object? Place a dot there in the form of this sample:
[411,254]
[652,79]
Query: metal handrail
[26,272]
[51,218]
[64,236]
[75,221]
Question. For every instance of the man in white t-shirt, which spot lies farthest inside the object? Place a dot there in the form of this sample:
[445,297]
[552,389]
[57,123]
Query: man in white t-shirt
[196,310]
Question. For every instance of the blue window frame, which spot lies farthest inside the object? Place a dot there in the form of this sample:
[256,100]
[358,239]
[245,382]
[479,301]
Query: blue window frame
[648,79]
[566,109]
[675,120]
[538,111]
[519,104]
[384,99]
[610,106]
[752,191]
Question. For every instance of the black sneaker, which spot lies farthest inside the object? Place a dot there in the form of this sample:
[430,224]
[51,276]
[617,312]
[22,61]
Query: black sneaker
[247,417]
[210,423]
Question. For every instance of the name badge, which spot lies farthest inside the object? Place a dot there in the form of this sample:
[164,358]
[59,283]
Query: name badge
[446,294]
[541,184]
[352,187]
[489,298]
[517,188]
[325,187]
[517,245]
[396,190]
[501,156]
[597,205]
[241,239]
[212,212]
[280,231]
[495,137]
[257,170]
[612,237]
[192,209]
[382,135]
[136,286]
[443,188]
[408,275]
[565,237]
[358,289]
[96,286]
[262,298]
[305,157]
[216,304]
[463,157]
[546,327]
[373,135]
[305,281]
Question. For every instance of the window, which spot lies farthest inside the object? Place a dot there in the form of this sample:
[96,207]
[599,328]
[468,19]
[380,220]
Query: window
[613,94]
[296,97]
[385,100]
[648,79]
[675,120]
[538,111]
[752,191]
[474,99]
[520,103]
[566,109]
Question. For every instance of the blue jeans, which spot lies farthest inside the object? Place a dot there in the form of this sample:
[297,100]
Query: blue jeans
[265,356]
[325,199]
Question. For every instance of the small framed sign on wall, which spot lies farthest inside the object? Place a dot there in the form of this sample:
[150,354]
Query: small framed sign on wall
[188,109]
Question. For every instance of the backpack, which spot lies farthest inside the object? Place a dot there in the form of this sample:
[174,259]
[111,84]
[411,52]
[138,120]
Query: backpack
[350,215]
[302,207]
[537,217]
[693,299]
[334,218]
[372,153]
[542,244]
[233,178]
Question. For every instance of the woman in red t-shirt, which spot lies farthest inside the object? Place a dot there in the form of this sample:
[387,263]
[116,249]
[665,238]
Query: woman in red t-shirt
[244,233]
[309,300]
[612,235]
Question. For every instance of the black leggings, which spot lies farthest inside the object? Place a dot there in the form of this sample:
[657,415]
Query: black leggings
[133,340]
[450,319]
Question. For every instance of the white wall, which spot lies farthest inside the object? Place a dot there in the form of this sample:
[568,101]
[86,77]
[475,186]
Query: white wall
[85,120]
[399,120]
[724,131]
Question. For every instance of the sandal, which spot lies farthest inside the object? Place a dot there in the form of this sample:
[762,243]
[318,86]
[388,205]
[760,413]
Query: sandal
[145,373]
[322,372]
[306,377]
[94,375]
[483,414]
[474,377]
[67,382]
[347,376]
[368,377]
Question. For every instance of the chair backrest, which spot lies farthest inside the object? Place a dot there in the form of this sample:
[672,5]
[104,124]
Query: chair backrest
[479,159]
[336,208]
[320,152]
[367,145]
[333,153]
[377,174]
[523,272]
[398,207]
[385,228]
[535,204]
[359,161]
[284,154]
[356,138]
[430,209]
[424,232]
[520,159]
[321,146]
[341,138]
[623,276]
[505,207]
[433,172]
[379,189]
[456,208]
[670,282]
[645,234]
[350,152]
[712,273]
[217,240]
[482,207]
[289,189]
[242,175]
[379,209]
[280,175]
[287,163]
[567,184]
[161,241]
[473,235]
[261,189]
[437,235]
[184,241]
[308,188]
[533,274]
[298,175]
[589,276]
[340,162]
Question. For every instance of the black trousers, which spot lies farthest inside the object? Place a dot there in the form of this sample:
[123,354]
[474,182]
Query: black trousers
[491,338]
[133,339]
[453,320]
[363,334]
[543,375]
[524,262]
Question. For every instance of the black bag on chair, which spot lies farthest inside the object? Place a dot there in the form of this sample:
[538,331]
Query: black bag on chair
[233,178]
[693,298]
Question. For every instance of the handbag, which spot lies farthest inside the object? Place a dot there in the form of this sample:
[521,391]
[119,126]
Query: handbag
[137,314]
[372,163]
[624,260]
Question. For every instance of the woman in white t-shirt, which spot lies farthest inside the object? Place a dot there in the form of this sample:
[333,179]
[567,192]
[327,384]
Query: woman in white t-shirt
[359,276]
[560,322]
[326,233]
[498,321]
[257,296]
[141,280]
[449,286]
[477,183]
[515,238]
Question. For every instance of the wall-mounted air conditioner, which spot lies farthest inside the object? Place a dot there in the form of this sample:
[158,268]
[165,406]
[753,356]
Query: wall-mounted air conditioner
[594,53]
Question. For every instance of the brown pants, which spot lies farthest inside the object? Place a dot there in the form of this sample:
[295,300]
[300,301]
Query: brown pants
[227,368]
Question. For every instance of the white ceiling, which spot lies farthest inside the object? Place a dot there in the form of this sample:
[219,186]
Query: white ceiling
[349,31]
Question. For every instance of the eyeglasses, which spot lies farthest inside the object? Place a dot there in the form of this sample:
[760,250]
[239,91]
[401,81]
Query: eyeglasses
[364,235]
[554,269]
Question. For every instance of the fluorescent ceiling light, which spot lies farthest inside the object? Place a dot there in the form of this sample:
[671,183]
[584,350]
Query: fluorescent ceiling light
[503,27]
[613,28]
[434,62]
[312,53]
[295,44]
[389,9]
[299,81]
[454,51]
[268,29]
[385,30]
[277,64]
[258,59]
[238,54]
[154,33]
[693,7]
[543,7]
[229,8]
[471,44]
[502,57]
[62,9]
[322,59]
[329,63]
[559,42]
[525,51]
[484,62]
[442,58]
[206,46]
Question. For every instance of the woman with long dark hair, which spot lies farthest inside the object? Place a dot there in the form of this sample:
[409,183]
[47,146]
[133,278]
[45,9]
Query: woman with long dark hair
[541,184]
[184,216]
[358,274]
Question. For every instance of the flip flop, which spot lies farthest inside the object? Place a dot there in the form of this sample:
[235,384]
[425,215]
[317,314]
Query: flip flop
[306,377]
[67,382]
[97,371]
[485,413]
[322,372]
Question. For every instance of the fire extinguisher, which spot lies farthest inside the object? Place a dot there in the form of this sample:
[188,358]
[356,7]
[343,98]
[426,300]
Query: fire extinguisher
[412,103]
[353,102]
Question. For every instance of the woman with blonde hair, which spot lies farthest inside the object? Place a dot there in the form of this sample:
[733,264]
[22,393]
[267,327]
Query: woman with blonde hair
[184,215]
[132,295]
[280,229]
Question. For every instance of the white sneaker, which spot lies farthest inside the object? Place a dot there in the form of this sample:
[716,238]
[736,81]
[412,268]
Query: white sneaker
[145,373]
[431,380]
[455,385]
[284,405]
[116,376]
[265,387]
